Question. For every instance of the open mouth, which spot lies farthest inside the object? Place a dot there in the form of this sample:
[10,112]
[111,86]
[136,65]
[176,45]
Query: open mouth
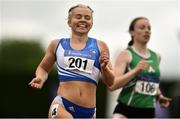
[146,36]
[82,25]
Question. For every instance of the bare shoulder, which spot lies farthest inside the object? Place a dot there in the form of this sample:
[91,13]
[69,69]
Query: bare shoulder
[101,42]
[125,55]
[102,45]
[53,44]
[158,56]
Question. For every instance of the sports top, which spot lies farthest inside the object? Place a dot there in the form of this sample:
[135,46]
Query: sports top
[78,65]
[141,91]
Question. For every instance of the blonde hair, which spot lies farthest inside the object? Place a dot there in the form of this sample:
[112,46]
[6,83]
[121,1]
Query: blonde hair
[78,5]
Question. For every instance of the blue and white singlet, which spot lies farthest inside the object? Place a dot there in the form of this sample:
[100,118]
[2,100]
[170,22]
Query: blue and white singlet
[78,65]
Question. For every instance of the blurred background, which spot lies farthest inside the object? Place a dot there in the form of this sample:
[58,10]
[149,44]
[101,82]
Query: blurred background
[28,26]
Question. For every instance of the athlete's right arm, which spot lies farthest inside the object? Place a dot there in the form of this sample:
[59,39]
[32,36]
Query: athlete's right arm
[122,62]
[45,66]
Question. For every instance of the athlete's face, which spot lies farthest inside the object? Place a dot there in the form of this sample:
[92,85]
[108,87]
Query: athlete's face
[142,31]
[81,20]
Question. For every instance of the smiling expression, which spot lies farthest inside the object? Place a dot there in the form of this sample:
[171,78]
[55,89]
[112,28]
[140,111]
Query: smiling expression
[80,20]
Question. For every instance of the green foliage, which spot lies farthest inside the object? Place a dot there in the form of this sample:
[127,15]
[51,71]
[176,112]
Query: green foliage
[19,56]
[101,100]
[19,59]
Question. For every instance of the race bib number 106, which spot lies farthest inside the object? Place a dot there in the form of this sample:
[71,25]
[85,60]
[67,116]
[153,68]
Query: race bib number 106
[147,88]
[79,63]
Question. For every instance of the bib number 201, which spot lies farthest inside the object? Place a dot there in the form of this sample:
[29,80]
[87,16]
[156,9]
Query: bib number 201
[77,63]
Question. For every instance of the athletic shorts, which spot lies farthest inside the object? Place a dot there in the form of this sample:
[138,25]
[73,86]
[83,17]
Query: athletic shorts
[134,112]
[75,110]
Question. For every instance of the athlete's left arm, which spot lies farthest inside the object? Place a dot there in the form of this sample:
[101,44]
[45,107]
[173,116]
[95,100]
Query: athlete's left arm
[163,101]
[105,63]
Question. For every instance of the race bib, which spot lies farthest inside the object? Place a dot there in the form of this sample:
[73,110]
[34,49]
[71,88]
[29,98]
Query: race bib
[79,63]
[147,88]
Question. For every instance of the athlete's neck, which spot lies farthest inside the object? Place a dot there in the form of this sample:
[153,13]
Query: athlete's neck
[79,38]
[141,49]
[78,42]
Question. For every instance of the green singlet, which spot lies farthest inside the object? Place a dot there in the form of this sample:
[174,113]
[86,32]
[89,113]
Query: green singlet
[141,91]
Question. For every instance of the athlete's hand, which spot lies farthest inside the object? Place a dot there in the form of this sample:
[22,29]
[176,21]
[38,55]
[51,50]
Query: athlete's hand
[142,65]
[164,101]
[37,83]
[103,59]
